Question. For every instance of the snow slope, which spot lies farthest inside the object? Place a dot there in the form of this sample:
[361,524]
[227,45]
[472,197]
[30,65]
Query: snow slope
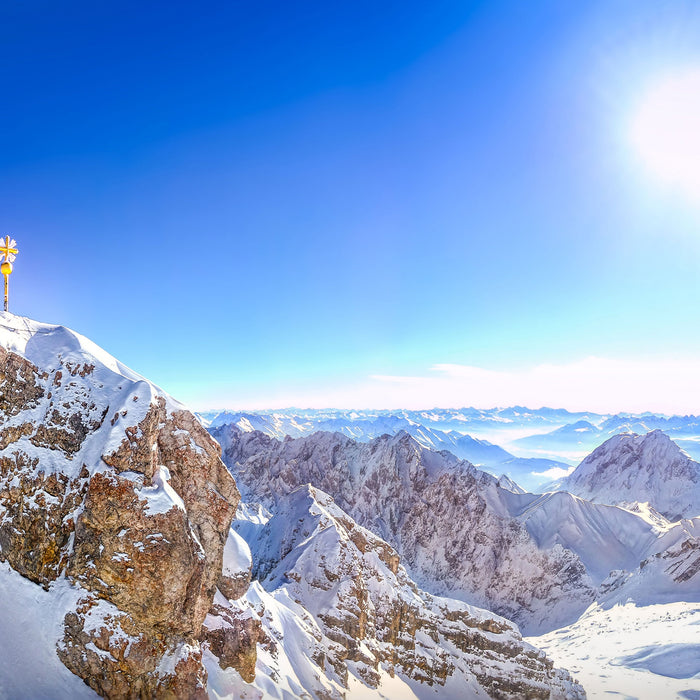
[31,624]
[604,537]
[635,652]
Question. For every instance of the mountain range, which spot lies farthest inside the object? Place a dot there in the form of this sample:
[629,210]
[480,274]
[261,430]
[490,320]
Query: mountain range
[123,577]
[144,556]
[537,559]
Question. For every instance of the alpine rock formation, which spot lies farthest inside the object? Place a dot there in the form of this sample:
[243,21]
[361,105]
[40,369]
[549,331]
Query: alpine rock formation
[111,488]
[340,616]
[119,560]
[631,468]
[537,559]
[449,521]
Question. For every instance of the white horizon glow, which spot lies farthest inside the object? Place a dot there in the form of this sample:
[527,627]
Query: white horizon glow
[665,132]
[602,385]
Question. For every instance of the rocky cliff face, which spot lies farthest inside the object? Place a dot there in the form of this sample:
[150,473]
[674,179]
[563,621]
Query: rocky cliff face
[447,519]
[111,486]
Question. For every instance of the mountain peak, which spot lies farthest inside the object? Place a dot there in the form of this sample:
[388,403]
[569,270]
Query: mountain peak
[124,502]
[648,468]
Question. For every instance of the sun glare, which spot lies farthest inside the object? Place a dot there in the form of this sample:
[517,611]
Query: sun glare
[666,132]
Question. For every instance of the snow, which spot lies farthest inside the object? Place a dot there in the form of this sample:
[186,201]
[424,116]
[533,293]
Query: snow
[237,556]
[673,660]
[31,623]
[43,343]
[161,496]
[643,652]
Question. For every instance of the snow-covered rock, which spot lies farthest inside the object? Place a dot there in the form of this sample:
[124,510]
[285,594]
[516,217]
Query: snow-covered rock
[632,468]
[447,519]
[114,490]
[340,615]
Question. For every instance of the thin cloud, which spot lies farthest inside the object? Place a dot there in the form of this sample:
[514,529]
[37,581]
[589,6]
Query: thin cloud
[591,384]
[555,473]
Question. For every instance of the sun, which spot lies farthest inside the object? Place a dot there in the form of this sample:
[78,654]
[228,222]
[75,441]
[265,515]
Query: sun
[665,132]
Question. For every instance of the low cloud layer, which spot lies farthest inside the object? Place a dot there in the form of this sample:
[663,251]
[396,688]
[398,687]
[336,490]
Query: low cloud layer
[592,384]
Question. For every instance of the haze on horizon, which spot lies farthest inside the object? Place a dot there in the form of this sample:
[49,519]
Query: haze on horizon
[259,205]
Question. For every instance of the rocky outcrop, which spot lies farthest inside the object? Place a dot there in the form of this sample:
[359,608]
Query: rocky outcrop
[107,482]
[120,657]
[237,570]
[233,635]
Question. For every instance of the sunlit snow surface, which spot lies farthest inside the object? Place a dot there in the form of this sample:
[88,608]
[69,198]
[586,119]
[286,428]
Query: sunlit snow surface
[31,622]
[646,652]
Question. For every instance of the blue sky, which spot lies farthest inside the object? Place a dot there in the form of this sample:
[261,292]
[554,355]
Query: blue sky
[262,204]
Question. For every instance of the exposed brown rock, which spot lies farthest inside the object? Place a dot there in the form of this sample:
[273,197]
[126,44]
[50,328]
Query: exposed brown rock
[19,384]
[233,587]
[65,432]
[13,433]
[118,658]
[149,567]
[233,638]
[36,528]
[180,443]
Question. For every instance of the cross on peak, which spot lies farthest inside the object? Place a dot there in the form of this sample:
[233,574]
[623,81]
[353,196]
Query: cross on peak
[8,249]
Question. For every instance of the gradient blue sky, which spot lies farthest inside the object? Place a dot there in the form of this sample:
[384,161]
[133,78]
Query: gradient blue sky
[270,203]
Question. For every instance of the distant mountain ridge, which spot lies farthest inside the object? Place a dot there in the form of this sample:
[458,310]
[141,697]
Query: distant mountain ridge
[460,419]
[525,471]
[530,446]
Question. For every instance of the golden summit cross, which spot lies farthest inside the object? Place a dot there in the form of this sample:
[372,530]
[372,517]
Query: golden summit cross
[9,251]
